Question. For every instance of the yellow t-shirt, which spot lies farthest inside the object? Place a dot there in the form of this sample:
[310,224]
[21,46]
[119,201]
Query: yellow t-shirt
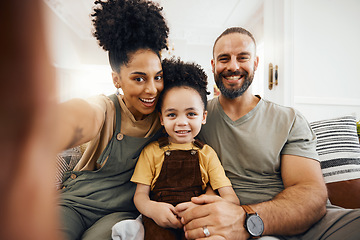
[149,165]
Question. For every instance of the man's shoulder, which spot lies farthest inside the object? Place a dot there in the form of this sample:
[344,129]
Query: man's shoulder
[211,103]
[272,106]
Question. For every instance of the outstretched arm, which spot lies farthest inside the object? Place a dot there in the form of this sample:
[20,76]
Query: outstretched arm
[293,211]
[163,214]
[78,122]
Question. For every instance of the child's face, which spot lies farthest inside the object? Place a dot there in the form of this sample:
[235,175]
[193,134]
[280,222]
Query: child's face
[182,114]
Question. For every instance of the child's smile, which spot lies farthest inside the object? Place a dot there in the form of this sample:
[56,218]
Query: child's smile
[182,114]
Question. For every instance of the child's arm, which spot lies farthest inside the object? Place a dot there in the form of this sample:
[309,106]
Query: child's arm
[163,214]
[229,194]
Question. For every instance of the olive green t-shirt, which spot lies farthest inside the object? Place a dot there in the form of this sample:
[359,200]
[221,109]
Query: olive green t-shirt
[250,148]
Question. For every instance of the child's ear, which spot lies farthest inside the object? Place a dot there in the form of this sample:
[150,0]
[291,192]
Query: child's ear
[204,117]
[161,119]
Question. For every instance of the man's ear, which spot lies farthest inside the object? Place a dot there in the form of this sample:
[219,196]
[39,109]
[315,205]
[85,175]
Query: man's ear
[161,119]
[213,65]
[204,117]
[256,62]
[116,79]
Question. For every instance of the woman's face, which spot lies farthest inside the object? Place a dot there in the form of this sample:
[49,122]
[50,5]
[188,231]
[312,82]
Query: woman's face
[141,82]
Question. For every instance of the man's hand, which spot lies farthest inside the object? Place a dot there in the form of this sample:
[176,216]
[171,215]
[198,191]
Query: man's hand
[224,219]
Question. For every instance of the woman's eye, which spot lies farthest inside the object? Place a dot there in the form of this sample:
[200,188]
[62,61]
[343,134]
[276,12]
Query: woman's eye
[139,79]
[158,78]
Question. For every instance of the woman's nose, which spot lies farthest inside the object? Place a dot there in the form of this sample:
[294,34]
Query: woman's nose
[150,87]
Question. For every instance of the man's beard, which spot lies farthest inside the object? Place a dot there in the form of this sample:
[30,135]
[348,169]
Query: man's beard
[236,92]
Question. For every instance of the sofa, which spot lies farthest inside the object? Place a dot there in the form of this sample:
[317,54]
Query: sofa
[339,153]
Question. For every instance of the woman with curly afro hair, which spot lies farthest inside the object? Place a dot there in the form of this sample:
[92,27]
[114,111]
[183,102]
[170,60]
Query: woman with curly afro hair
[97,193]
[177,167]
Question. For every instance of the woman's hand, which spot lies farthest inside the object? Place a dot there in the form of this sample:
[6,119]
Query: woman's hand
[223,219]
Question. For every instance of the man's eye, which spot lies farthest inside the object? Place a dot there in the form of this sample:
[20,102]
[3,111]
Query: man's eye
[243,59]
[223,59]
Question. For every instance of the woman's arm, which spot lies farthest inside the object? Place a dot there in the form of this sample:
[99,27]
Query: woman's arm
[78,121]
[163,214]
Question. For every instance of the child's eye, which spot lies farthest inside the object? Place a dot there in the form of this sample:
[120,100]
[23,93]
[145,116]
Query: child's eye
[192,114]
[171,115]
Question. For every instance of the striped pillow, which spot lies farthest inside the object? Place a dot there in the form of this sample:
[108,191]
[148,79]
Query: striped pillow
[339,153]
[66,161]
[338,148]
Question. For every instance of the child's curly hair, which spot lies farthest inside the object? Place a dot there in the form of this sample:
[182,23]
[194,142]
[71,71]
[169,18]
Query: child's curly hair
[177,73]
[125,26]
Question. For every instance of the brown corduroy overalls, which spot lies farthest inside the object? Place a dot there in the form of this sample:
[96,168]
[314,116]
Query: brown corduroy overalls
[179,181]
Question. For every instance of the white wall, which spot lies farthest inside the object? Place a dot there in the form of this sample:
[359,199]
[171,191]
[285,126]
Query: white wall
[326,57]
[82,67]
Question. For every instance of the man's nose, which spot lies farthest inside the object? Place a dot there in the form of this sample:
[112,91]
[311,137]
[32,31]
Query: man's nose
[233,65]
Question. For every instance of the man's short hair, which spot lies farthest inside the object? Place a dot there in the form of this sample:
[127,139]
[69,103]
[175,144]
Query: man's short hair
[235,30]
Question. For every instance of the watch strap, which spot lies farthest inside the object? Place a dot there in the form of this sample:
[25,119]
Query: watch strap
[248,209]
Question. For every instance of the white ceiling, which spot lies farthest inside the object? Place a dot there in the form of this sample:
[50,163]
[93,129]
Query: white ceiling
[196,21]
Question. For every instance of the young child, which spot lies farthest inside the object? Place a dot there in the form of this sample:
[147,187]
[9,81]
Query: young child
[174,169]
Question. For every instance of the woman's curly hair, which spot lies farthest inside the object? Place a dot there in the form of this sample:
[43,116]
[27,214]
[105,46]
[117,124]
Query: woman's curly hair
[125,26]
[177,73]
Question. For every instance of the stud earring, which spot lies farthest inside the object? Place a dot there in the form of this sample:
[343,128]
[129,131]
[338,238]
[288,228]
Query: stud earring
[117,92]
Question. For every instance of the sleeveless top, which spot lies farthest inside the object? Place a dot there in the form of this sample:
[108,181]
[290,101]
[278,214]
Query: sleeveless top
[109,188]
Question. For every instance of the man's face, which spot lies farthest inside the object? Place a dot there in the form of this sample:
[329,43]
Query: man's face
[234,64]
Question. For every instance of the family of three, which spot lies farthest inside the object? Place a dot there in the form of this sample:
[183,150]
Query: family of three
[235,167]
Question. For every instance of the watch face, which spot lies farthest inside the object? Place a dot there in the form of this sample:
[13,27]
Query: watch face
[255,225]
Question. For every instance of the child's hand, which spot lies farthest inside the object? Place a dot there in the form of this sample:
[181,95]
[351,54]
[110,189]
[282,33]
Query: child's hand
[181,208]
[165,215]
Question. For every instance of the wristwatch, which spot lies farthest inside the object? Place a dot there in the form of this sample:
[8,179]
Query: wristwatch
[253,222]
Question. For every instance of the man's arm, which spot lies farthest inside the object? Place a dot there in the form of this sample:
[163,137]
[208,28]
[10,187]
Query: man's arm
[301,203]
[292,211]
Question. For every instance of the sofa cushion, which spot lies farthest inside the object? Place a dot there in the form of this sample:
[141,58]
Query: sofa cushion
[66,161]
[339,153]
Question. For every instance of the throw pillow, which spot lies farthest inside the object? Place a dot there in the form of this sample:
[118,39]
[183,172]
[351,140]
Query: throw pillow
[66,161]
[339,153]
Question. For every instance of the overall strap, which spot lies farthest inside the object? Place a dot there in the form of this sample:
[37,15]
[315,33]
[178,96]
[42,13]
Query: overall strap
[115,100]
[163,141]
[198,143]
